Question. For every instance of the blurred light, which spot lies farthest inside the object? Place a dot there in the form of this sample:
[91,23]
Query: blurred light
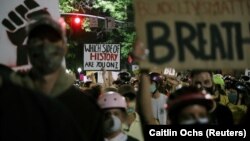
[67,71]
[77,20]
[79,70]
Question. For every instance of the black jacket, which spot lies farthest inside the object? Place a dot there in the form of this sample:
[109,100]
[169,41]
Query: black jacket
[85,110]
[222,115]
[28,115]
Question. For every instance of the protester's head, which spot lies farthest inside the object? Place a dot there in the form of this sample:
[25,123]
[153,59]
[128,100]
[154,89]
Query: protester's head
[155,79]
[163,80]
[114,107]
[128,92]
[135,83]
[190,105]
[123,78]
[203,78]
[113,103]
[111,88]
[46,44]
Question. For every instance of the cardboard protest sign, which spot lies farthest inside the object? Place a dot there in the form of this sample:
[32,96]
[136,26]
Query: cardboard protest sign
[100,76]
[188,34]
[14,16]
[99,56]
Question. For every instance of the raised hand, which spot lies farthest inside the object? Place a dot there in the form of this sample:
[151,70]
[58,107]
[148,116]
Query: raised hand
[15,26]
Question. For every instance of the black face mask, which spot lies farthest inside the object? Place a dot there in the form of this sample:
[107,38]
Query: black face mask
[210,90]
[45,57]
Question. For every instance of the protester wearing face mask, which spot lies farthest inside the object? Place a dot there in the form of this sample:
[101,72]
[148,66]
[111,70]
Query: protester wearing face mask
[158,99]
[190,106]
[123,78]
[133,123]
[46,46]
[221,114]
[205,78]
[114,107]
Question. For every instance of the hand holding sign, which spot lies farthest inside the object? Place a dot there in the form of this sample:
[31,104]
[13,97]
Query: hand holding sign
[15,25]
[139,51]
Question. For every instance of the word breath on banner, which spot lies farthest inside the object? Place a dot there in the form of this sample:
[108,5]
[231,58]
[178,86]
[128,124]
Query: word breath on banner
[188,34]
[98,56]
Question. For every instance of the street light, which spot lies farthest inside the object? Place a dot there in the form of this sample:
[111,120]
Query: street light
[77,20]
[79,70]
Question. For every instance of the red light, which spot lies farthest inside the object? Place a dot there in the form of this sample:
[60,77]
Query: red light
[77,20]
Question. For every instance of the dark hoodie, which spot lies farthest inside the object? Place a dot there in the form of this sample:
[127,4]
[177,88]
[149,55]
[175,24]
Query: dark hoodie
[83,108]
[28,115]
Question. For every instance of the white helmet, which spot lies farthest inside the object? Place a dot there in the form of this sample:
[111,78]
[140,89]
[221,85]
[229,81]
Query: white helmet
[112,100]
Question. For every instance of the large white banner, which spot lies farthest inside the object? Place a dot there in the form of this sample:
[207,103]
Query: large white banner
[14,15]
[189,34]
[101,56]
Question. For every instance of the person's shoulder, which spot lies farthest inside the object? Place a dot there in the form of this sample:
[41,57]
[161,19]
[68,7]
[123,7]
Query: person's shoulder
[74,93]
[35,102]
[20,104]
[28,96]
